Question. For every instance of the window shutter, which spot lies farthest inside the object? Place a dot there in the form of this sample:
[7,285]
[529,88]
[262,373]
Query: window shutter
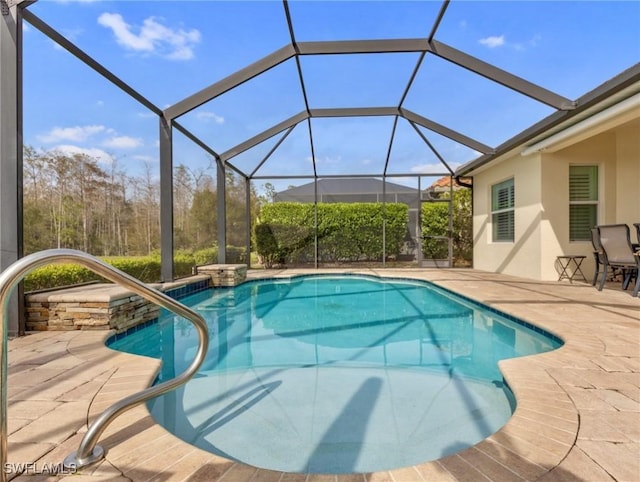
[583,201]
[502,207]
[503,196]
[583,183]
[503,226]
[582,217]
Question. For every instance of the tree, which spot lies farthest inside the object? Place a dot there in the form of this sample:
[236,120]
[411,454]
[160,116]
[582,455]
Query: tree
[203,214]
[183,189]
[268,193]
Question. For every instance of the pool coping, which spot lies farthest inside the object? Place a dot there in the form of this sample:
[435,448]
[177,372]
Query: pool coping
[578,413]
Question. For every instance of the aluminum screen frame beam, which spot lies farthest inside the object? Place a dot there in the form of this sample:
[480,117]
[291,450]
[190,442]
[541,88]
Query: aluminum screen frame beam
[356,112]
[390,148]
[445,131]
[189,135]
[271,151]
[416,69]
[500,76]
[312,147]
[221,220]
[381,46]
[230,82]
[264,135]
[11,128]
[165,134]
[433,149]
[353,176]
[292,35]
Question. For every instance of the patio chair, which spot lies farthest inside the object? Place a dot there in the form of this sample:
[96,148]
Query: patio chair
[637,226]
[598,255]
[618,253]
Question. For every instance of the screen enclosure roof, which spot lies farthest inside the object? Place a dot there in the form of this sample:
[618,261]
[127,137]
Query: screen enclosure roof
[390,88]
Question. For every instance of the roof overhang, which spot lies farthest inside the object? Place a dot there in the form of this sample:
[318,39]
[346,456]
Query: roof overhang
[605,120]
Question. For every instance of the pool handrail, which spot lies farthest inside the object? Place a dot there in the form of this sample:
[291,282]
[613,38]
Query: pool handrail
[88,451]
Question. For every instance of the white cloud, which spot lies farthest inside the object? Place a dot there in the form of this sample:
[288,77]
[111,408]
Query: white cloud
[98,154]
[74,134]
[533,42]
[325,160]
[152,37]
[431,168]
[493,41]
[123,142]
[206,116]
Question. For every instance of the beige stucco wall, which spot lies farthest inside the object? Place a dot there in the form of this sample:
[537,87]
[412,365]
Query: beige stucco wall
[542,202]
[628,174]
[599,150]
[520,257]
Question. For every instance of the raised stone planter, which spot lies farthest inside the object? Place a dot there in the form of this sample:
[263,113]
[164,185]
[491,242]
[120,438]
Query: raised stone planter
[101,306]
[224,274]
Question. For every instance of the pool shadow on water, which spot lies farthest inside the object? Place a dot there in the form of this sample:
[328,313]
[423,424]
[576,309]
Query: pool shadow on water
[341,445]
[234,409]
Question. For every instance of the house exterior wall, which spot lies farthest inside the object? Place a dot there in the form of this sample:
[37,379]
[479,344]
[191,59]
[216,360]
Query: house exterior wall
[520,257]
[599,150]
[541,183]
[628,174]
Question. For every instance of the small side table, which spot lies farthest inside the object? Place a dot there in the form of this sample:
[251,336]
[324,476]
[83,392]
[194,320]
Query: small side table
[565,263]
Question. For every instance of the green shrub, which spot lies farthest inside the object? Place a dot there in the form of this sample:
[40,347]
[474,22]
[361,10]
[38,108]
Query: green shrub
[206,256]
[435,222]
[58,275]
[144,268]
[234,255]
[183,264]
[346,232]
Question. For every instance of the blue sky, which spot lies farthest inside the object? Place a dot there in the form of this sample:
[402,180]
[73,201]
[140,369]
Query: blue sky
[168,50]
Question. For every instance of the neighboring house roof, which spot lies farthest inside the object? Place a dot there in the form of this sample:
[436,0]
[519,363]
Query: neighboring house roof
[444,183]
[615,90]
[343,186]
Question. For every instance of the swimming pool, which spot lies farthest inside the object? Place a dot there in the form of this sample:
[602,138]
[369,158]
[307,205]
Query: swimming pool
[337,374]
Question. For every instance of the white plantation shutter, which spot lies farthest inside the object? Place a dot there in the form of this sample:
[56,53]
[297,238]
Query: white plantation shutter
[583,201]
[502,211]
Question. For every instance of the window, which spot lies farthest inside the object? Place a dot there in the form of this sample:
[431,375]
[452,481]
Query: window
[502,211]
[583,201]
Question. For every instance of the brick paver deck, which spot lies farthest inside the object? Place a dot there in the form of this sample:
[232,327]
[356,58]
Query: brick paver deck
[578,413]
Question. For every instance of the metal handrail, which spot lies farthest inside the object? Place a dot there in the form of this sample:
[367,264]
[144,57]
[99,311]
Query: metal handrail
[88,452]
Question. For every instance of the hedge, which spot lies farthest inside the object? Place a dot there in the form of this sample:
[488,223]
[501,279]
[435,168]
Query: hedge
[144,268]
[347,232]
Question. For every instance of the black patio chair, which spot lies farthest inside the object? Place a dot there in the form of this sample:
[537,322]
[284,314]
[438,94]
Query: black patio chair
[618,253]
[598,255]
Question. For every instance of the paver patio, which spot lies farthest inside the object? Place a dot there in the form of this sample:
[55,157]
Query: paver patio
[578,413]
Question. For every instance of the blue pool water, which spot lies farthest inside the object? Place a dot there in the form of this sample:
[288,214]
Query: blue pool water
[336,374]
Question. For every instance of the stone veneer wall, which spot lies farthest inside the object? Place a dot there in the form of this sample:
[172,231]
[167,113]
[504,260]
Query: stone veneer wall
[101,306]
[224,274]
